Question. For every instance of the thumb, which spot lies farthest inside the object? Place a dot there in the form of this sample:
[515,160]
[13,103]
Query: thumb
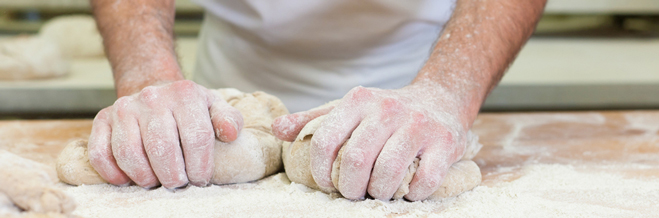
[288,126]
[227,121]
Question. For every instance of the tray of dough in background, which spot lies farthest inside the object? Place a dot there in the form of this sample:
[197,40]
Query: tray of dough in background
[549,74]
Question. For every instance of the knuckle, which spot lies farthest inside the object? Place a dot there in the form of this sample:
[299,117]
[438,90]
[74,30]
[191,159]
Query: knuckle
[219,108]
[122,107]
[354,158]
[124,153]
[123,102]
[198,136]
[149,95]
[419,118]
[185,87]
[185,84]
[390,103]
[360,93]
[103,114]
[448,138]
[389,107]
[158,148]
[430,182]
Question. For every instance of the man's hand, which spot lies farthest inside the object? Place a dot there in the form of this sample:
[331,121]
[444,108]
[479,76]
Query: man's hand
[387,130]
[160,130]
[162,135]
[428,119]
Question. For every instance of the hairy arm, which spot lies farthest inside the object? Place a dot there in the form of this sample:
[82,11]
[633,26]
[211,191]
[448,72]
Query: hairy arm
[159,117]
[476,47]
[139,42]
[427,119]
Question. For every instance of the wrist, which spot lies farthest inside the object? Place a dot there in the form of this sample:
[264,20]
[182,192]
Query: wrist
[134,79]
[463,102]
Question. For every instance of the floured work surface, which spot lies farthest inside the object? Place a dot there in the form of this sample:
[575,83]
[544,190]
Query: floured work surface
[533,164]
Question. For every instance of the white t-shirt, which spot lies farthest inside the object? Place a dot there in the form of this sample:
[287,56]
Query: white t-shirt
[309,52]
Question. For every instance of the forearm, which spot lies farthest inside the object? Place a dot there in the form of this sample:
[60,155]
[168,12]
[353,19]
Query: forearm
[139,42]
[477,45]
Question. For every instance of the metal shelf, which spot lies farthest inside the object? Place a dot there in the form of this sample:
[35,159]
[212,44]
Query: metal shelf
[602,7]
[553,6]
[81,5]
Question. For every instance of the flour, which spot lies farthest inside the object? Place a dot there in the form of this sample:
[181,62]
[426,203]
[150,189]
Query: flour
[542,191]
[560,190]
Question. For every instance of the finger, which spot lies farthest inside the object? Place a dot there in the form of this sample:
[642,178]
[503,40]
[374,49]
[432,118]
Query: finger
[332,133]
[287,127]
[358,158]
[227,121]
[363,148]
[326,142]
[197,141]
[392,165]
[100,150]
[127,145]
[161,143]
[433,166]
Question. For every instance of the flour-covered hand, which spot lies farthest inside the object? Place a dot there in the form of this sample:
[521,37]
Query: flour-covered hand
[162,135]
[387,130]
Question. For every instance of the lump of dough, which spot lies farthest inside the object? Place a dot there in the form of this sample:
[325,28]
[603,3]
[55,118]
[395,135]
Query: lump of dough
[30,186]
[255,154]
[75,35]
[73,165]
[462,176]
[28,57]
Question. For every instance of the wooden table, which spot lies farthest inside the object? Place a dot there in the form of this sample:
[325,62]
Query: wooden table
[615,142]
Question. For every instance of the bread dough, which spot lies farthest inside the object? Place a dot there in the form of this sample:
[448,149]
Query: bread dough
[27,57]
[255,154]
[73,165]
[45,55]
[28,185]
[75,35]
[463,175]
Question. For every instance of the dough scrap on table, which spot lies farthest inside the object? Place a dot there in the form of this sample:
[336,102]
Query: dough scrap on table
[28,57]
[27,189]
[463,175]
[255,154]
[46,54]
[75,35]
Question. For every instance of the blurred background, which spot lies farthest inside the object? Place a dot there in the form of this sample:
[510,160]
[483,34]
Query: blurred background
[585,55]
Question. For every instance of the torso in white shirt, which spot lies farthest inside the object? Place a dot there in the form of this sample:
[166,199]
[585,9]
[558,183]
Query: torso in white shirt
[313,51]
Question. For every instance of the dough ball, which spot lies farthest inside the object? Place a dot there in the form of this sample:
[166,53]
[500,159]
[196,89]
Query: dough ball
[27,57]
[255,154]
[73,165]
[463,175]
[76,35]
[31,186]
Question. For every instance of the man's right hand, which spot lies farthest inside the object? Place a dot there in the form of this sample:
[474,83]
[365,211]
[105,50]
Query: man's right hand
[163,134]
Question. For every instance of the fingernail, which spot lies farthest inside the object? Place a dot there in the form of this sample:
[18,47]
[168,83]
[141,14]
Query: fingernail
[233,122]
[151,187]
[202,184]
[177,189]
